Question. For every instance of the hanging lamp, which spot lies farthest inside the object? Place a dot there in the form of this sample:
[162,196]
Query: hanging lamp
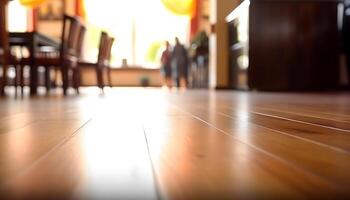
[31,3]
[180,7]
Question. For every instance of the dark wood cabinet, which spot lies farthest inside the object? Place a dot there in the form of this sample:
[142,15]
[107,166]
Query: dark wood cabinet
[291,45]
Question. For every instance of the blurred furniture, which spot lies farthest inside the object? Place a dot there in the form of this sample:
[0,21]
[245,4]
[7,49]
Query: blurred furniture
[121,77]
[4,48]
[103,60]
[346,37]
[65,58]
[238,47]
[7,58]
[32,41]
[284,45]
[80,44]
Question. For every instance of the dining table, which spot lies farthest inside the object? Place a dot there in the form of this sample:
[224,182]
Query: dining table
[33,41]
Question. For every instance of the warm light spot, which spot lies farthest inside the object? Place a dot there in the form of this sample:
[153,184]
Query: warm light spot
[31,3]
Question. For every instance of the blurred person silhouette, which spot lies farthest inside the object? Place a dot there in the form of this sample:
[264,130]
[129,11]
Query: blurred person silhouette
[179,61]
[166,64]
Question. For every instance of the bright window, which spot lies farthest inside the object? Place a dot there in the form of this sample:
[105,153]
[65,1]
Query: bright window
[17,20]
[140,28]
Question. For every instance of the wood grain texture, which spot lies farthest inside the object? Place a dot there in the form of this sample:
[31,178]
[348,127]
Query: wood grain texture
[158,144]
[295,42]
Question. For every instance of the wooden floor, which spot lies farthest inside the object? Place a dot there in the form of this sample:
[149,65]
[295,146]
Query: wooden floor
[158,144]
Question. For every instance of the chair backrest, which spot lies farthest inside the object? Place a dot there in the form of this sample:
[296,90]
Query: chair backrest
[80,41]
[102,48]
[70,36]
[105,47]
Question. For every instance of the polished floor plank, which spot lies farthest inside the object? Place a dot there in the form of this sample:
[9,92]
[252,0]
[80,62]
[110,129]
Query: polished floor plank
[195,161]
[329,109]
[302,111]
[132,143]
[20,120]
[16,121]
[21,147]
[316,105]
[103,160]
[45,108]
[299,152]
[36,126]
[334,138]
[324,135]
[305,108]
[331,122]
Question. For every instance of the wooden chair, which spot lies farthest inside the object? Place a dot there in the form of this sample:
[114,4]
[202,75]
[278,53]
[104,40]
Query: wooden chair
[6,58]
[103,61]
[80,43]
[76,76]
[66,59]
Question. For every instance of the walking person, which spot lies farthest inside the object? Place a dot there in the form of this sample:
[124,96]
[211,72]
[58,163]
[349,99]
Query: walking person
[166,65]
[180,64]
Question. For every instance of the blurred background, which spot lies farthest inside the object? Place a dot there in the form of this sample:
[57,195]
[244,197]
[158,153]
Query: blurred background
[231,44]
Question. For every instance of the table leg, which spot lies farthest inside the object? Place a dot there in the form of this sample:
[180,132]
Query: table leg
[33,70]
[3,79]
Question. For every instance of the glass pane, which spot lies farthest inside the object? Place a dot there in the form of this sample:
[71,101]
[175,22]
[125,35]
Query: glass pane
[139,27]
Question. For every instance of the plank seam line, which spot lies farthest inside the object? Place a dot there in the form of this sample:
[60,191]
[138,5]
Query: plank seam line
[299,121]
[156,182]
[45,155]
[294,136]
[286,162]
[21,127]
[340,150]
[309,115]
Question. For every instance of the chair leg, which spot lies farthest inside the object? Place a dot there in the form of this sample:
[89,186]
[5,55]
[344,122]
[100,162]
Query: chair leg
[22,78]
[109,76]
[64,73]
[3,80]
[48,78]
[102,78]
[55,79]
[76,79]
[99,77]
[2,87]
[15,81]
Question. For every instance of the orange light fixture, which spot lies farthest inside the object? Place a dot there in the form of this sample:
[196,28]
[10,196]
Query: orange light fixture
[181,7]
[31,3]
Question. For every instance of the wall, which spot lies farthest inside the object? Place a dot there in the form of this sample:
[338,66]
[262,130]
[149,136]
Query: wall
[54,28]
[123,76]
[203,12]
[218,64]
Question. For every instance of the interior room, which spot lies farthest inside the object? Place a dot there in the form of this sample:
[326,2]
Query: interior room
[174,99]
